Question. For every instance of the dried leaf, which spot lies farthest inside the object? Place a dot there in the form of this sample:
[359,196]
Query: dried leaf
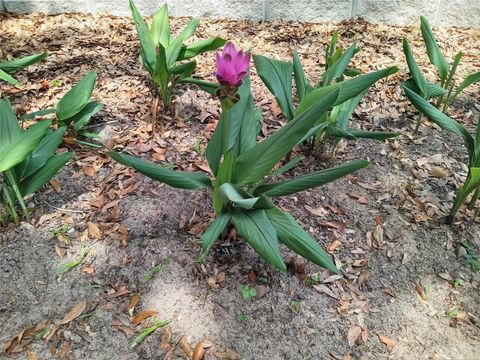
[142,316]
[93,230]
[387,341]
[198,351]
[353,334]
[75,312]
[421,291]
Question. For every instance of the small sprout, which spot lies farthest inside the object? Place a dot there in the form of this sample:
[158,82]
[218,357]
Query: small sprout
[262,280]
[243,317]
[295,306]
[73,264]
[56,83]
[150,275]
[148,331]
[456,283]
[453,312]
[247,292]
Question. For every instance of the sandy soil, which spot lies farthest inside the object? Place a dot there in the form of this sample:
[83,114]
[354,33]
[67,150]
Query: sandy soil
[408,292]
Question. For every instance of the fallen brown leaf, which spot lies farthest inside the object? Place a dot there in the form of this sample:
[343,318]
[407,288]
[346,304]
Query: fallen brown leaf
[142,316]
[353,334]
[75,312]
[387,341]
[93,230]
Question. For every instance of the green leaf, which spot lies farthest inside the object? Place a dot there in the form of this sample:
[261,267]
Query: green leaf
[9,128]
[375,135]
[277,76]
[301,83]
[214,230]
[192,50]
[433,90]
[76,98]
[83,117]
[45,173]
[189,30]
[336,71]
[184,70]
[177,179]
[242,199]
[148,331]
[160,30]
[172,51]
[471,184]
[308,181]
[469,80]
[347,89]
[161,75]
[209,87]
[441,119]
[8,78]
[34,114]
[147,52]
[16,64]
[298,240]
[224,175]
[417,75]
[44,151]
[258,161]
[433,51]
[259,233]
[22,145]
[288,166]
[341,113]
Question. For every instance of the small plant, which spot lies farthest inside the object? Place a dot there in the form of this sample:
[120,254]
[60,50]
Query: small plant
[447,91]
[247,292]
[9,67]
[162,53]
[148,331]
[472,183]
[243,167]
[334,124]
[75,110]
[296,306]
[27,160]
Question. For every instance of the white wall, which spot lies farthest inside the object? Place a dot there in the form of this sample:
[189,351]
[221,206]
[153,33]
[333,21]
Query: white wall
[440,12]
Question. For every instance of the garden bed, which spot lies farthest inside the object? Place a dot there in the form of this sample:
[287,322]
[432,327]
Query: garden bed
[408,292]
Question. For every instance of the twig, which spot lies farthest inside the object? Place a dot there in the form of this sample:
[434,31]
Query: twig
[64,210]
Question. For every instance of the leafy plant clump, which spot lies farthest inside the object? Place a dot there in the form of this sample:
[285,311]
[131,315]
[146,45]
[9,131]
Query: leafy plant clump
[334,124]
[9,67]
[472,143]
[243,188]
[75,110]
[164,56]
[448,90]
[27,160]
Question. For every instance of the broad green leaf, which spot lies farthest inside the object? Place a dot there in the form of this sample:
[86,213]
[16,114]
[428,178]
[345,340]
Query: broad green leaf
[341,113]
[161,75]
[298,240]
[192,50]
[213,152]
[240,198]
[433,51]
[469,80]
[347,89]
[453,69]
[76,98]
[189,30]
[375,135]
[8,78]
[288,166]
[337,69]
[259,233]
[177,179]
[209,87]
[172,51]
[471,184]
[83,117]
[147,53]
[441,119]
[301,83]
[417,75]
[223,175]
[433,90]
[16,64]
[44,151]
[9,128]
[277,76]
[184,70]
[160,30]
[22,145]
[45,173]
[34,114]
[257,162]
[310,180]
[243,121]
[214,230]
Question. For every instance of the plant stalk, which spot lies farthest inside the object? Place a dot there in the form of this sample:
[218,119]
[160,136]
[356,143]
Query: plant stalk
[419,121]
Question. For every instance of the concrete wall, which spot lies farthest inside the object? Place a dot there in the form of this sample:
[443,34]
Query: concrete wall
[440,12]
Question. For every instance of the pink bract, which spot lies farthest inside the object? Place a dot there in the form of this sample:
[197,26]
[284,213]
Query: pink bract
[232,66]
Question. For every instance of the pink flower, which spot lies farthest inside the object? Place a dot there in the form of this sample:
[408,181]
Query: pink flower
[232,66]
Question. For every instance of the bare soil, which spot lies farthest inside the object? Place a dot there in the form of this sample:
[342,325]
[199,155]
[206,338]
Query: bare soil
[408,291]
